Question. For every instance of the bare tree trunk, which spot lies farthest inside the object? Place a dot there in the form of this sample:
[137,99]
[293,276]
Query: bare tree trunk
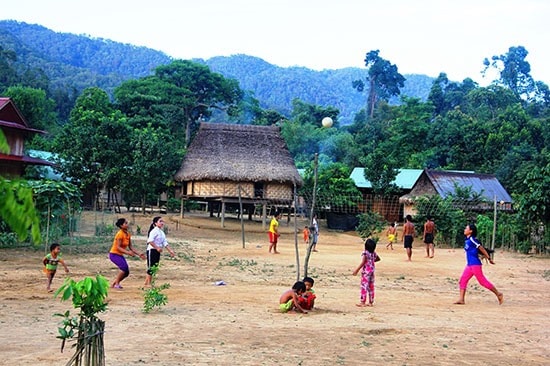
[310,246]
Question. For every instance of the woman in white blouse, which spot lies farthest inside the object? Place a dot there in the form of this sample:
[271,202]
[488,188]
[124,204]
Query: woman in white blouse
[156,243]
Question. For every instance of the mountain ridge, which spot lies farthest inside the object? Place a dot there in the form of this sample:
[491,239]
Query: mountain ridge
[79,61]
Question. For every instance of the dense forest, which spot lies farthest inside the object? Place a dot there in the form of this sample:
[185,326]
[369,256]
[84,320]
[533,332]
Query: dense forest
[75,62]
[108,125]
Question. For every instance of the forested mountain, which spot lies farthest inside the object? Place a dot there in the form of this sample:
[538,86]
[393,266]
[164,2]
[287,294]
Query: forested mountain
[74,62]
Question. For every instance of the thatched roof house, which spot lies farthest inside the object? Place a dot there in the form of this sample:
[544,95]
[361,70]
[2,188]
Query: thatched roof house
[225,161]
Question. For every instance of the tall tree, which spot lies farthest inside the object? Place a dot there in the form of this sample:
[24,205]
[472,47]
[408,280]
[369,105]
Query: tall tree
[92,145]
[384,81]
[514,71]
[150,165]
[204,91]
[446,95]
[304,132]
[36,107]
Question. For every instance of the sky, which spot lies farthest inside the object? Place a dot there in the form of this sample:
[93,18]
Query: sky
[418,36]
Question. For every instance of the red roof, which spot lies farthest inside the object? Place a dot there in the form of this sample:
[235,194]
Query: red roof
[10,117]
[24,159]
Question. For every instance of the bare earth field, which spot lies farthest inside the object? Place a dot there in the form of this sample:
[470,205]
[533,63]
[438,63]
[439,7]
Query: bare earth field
[413,322]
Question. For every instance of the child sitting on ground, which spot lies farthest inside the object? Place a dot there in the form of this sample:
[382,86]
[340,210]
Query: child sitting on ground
[307,300]
[290,299]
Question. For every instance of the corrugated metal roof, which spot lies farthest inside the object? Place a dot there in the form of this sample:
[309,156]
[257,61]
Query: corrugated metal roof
[486,185]
[405,179]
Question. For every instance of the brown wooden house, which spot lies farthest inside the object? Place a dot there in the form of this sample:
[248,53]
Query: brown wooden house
[387,206]
[232,164]
[444,183]
[15,129]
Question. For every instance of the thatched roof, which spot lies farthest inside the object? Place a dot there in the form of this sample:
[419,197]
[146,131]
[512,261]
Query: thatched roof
[241,153]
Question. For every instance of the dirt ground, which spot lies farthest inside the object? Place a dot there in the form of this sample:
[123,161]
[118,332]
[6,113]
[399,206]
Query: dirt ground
[413,322]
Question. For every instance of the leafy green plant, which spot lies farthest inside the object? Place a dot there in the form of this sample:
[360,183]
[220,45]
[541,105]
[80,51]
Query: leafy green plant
[173,204]
[8,239]
[369,224]
[153,296]
[89,296]
[241,263]
[103,229]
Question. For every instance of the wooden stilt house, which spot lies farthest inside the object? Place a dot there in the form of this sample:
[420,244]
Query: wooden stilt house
[15,130]
[243,165]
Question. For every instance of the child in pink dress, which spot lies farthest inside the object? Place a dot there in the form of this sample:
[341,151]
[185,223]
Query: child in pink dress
[367,272]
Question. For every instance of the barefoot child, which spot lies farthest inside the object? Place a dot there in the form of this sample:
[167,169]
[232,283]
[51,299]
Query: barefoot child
[50,262]
[367,272]
[472,246]
[274,233]
[307,300]
[392,235]
[289,299]
[306,234]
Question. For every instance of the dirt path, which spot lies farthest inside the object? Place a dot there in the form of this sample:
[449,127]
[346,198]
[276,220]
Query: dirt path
[413,322]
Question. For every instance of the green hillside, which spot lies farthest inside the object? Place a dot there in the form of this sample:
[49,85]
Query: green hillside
[75,62]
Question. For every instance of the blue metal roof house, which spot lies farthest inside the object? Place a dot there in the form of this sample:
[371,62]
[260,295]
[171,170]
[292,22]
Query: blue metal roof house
[443,183]
[405,179]
[387,206]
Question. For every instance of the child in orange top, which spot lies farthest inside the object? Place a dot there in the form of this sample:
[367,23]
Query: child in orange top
[306,235]
[289,300]
[50,262]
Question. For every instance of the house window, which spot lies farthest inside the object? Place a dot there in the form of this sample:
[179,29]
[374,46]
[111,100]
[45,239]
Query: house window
[258,190]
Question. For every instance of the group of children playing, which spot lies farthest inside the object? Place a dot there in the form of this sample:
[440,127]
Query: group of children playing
[301,297]
[296,298]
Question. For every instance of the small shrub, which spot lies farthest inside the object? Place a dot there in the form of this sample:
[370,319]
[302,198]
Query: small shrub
[173,205]
[89,296]
[104,230]
[8,239]
[153,297]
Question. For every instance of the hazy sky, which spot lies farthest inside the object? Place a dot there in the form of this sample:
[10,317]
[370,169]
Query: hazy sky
[419,36]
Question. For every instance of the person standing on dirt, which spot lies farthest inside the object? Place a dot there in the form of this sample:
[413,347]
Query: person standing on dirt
[473,248]
[156,243]
[274,232]
[367,266]
[428,237]
[314,233]
[408,236]
[391,233]
[122,244]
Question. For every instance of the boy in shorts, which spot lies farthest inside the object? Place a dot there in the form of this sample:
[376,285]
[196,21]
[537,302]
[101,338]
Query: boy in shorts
[289,300]
[50,262]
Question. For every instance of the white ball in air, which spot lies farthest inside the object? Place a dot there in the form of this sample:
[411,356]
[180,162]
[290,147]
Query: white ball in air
[327,122]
